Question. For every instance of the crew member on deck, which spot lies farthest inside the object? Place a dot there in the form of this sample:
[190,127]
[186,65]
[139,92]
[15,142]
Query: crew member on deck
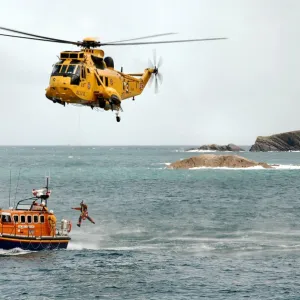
[52,222]
[84,213]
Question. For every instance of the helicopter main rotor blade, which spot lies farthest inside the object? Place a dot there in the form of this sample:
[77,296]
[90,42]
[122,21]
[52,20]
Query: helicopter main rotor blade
[144,37]
[163,42]
[38,36]
[30,38]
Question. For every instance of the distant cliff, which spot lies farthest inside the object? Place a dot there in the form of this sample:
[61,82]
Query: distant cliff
[214,147]
[287,141]
[213,161]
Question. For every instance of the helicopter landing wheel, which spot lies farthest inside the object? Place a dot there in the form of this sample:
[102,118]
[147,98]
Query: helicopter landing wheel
[118,118]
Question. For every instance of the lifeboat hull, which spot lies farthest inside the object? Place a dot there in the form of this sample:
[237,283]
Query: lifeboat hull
[33,244]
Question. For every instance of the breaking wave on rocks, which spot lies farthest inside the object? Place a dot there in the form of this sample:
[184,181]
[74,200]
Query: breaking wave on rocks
[203,151]
[277,167]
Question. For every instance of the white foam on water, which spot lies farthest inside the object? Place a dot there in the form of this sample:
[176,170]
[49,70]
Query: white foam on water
[14,252]
[70,156]
[277,167]
[287,167]
[83,246]
[227,168]
[133,248]
[196,150]
[283,151]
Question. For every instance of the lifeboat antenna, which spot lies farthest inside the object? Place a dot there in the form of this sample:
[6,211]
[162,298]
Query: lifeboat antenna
[17,186]
[9,185]
[47,187]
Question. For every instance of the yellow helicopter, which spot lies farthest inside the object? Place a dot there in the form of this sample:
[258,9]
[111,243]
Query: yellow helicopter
[86,77]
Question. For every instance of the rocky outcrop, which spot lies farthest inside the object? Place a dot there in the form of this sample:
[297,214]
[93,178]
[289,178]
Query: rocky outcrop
[213,161]
[214,147]
[287,141]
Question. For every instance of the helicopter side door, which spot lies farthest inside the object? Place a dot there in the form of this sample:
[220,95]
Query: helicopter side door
[90,82]
[82,76]
[85,89]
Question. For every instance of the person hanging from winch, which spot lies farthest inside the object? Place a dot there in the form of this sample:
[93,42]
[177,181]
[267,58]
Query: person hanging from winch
[52,222]
[84,213]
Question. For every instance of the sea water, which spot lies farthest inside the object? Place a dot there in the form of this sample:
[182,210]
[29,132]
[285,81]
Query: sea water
[159,233]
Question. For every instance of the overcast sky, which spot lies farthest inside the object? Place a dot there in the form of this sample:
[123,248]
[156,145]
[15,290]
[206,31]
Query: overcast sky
[213,92]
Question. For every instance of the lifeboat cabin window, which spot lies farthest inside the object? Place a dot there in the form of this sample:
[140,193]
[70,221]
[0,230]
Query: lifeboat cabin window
[22,219]
[16,218]
[28,219]
[42,219]
[5,218]
[35,219]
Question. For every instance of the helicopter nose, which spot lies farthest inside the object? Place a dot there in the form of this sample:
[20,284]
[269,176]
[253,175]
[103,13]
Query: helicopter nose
[59,81]
[59,89]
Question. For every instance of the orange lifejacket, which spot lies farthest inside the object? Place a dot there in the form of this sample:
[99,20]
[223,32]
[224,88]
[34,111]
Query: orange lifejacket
[83,207]
[52,220]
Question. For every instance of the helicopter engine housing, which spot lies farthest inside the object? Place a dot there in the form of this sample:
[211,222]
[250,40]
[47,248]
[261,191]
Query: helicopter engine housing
[109,62]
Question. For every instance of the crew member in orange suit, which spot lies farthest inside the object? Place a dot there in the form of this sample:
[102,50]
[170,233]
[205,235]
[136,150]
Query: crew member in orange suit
[84,213]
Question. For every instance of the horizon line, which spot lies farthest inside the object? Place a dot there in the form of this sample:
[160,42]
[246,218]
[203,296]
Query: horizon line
[117,145]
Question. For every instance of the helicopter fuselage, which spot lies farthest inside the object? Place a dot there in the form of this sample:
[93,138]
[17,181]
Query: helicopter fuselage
[85,78]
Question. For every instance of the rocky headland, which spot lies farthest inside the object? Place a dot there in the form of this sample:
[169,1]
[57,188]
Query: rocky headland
[287,141]
[214,147]
[214,161]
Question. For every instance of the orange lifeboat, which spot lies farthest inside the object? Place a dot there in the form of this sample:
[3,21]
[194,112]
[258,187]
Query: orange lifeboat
[31,226]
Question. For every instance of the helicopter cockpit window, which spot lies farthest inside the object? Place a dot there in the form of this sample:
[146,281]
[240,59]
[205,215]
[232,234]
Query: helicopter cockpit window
[63,69]
[56,69]
[71,69]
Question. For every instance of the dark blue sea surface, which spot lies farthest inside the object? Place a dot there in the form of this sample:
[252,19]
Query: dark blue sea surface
[159,233]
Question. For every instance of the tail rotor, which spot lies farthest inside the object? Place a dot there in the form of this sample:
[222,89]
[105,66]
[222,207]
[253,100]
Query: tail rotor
[156,74]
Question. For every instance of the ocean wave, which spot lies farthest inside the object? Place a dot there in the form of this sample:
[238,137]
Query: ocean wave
[178,150]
